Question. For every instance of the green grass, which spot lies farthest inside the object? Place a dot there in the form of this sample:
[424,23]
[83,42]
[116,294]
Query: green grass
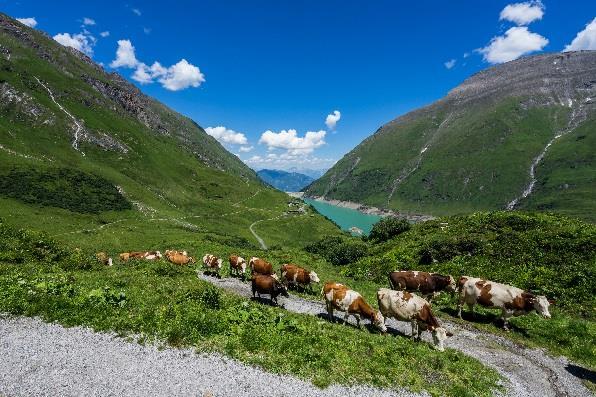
[163,302]
[547,254]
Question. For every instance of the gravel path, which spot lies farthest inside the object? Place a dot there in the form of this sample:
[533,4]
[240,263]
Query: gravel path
[41,359]
[529,372]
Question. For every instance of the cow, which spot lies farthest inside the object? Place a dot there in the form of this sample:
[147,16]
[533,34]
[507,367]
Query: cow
[405,306]
[147,255]
[172,252]
[266,284]
[426,284]
[178,258]
[296,275]
[511,300]
[261,266]
[212,264]
[104,259]
[237,266]
[339,297]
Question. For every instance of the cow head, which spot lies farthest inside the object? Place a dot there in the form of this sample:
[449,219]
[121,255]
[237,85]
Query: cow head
[379,321]
[191,260]
[440,334]
[452,286]
[219,263]
[314,278]
[281,289]
[158,254]
[541,305]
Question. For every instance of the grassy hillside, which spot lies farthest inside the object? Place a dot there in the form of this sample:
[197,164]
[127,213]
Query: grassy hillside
[165,302]
[133,167]
[473,149]
[546,254]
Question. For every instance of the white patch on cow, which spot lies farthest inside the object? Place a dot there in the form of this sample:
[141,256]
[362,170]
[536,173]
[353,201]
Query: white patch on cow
[541,305]
[415,273]
[348,299]
[219,263]
[110,263]
[439,337]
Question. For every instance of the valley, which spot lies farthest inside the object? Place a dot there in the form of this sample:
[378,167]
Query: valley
[495,180]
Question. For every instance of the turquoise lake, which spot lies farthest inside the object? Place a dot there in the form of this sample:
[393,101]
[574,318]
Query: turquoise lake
[345,217]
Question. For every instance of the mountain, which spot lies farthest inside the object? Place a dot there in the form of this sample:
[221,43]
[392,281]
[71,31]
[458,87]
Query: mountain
[285,181]
[314,174]
[86,156]
[520,135]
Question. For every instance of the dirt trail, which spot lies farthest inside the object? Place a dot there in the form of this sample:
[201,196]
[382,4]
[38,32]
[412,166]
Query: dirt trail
[529,372]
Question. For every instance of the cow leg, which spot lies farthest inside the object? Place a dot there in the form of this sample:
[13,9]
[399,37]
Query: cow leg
[505,317]
[357,320]
[330,311]
[460,305]
[346,317]
[471,308]
[414,325]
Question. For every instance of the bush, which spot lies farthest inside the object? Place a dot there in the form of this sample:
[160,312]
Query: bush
[63,188]
[387,228]
[339,251]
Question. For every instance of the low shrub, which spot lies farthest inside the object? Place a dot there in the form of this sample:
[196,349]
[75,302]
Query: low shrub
[387,228]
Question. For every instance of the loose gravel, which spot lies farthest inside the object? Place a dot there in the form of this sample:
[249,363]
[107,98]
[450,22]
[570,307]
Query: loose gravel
[41,359]
[528,372]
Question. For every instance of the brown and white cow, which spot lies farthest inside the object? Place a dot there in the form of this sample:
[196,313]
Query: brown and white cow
[295,275]
[147,255]
[512,301]
[261,266]
[339,297]
[104,259]
[212,263]
[426,284]
[179,258]
[405,306]
[172,252]
[266,284]
[237,266]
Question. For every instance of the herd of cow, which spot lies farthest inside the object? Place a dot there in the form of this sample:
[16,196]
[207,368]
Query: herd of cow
[399,302]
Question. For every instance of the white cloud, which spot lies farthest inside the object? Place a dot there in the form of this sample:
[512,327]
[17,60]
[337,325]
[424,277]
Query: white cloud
[332,119]
[182,75]
[83,41]
[246,149]
[286,161]
[451,63]
[147,30]
[516,42]
[290,141]
[88,21]
[31,22]
[125,55]
[105,34]
[466,54]
[136,11]
[224,135]
[174,78]
[585,40]
[523,13]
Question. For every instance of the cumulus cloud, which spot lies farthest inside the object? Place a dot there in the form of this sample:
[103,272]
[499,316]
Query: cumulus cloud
[83,41]
[585,40]
[332,119]
[516,42]
[246,149]
[104,34]
[290,141]
[136,11]
[286,161]
[31,22]
[125,55]
[451,63]
[88,21]
[225,135]
[174,78]
[523,13]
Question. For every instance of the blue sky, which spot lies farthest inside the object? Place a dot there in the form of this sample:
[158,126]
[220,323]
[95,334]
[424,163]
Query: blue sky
[261,69]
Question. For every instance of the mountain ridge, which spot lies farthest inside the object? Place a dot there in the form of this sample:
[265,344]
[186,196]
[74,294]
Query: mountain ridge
[284,180]
[484,136]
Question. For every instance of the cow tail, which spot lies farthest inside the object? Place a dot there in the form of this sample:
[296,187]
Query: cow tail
[390,282]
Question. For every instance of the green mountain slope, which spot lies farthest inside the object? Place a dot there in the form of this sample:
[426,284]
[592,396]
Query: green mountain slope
[86,156]
[474,149]
[285,181]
